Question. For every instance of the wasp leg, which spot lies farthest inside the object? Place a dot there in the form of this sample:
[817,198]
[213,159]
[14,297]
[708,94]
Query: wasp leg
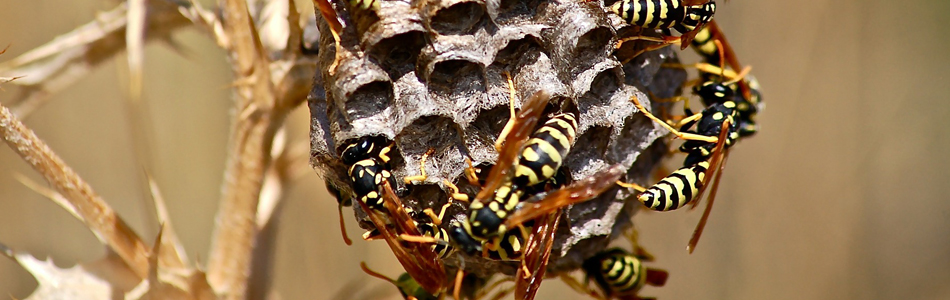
[455,195]
[419,239]
[664,42]
[669,100]
[677,133]
[687,119]
[512,117]
[631,185]
[422,168]
[471,174]
[579,287]
[436,219]
[458,281]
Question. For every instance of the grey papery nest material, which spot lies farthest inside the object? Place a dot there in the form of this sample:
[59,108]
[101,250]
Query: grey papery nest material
[433,77]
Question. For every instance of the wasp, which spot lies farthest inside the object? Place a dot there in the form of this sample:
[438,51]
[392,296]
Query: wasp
[524,162]
[685,16]
[368,161]
[539,161]
[705,146]
[499,196]
[619,273]
[541,218]
[622,274]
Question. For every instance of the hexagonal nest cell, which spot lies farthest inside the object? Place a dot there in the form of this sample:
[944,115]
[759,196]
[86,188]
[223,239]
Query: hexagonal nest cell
[431,75]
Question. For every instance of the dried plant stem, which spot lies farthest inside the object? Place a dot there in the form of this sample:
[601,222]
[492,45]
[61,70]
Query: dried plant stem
[92,210]
[252,134]
[70,57]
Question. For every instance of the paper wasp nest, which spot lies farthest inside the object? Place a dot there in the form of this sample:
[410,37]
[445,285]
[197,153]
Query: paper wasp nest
[431,75]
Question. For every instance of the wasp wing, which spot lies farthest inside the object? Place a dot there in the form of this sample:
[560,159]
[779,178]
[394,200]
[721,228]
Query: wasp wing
[416,258]
[579,191]
[537,253]
[716,166]
[728,55]
[330,15]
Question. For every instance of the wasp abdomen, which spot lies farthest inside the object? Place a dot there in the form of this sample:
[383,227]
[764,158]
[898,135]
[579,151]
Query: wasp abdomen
[544,153]
[677,189]
[664,14]
[617,272]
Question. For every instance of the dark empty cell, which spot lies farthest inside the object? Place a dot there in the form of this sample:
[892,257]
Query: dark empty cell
[451,73]
[429,196]
[489,123]
[369,99]
[514,8]
[397,54]
[590,145]
[516,49]
[362,18]
[602,88]
[593,43]
[460,18]
[605,83]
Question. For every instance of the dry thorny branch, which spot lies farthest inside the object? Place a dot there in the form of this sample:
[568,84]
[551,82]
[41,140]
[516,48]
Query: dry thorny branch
[271,78]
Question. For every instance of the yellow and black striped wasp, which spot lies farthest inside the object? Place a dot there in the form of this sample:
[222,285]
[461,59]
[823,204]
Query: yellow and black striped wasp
[705,147]
[525,165]
[367,159]
[524,161]
[685,16]
[619,273]
[729,115]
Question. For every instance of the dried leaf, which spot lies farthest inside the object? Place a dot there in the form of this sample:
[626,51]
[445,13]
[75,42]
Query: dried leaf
[56,283]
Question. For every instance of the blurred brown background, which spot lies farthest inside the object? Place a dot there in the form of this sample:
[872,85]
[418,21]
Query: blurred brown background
[843,194]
